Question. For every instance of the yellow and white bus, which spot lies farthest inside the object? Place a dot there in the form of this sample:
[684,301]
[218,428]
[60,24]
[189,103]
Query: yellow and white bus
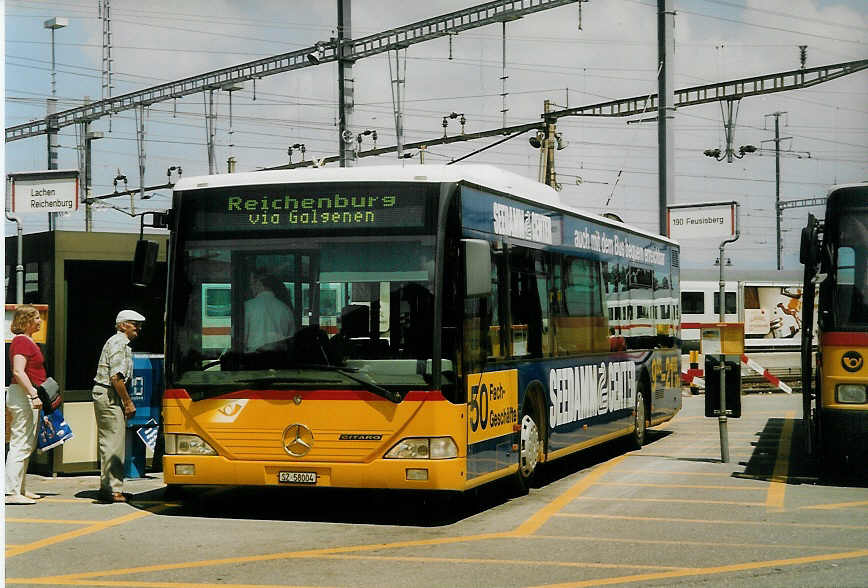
[835,394]
[470,341]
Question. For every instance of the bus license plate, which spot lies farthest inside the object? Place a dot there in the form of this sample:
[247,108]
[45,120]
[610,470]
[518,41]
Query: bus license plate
[297,477]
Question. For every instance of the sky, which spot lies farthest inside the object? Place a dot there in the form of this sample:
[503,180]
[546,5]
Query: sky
[572,57]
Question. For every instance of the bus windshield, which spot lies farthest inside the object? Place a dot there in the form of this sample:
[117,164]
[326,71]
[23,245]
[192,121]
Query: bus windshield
[852,270]
[247,308]
[315,297]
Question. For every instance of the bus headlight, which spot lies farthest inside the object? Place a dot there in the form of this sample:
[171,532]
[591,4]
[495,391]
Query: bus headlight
[181,444]
[424,448]
[851,393]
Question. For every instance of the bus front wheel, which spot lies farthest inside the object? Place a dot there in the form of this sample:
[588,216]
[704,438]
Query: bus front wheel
[174,493]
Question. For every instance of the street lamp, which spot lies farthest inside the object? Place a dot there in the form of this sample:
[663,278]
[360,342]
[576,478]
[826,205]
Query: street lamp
[318,53]
[365,133]
[299,146]
[729,153]
[52,24]
[453,115]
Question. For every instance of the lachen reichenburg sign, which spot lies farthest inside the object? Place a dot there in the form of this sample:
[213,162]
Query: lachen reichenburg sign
[44,191]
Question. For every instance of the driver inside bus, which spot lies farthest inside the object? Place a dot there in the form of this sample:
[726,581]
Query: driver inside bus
[268,315]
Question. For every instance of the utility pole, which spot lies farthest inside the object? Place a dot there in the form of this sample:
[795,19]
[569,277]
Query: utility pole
[778,211]
[665,108]
[345,85]
[503,76]
[106,89]
[397,79]
[52,25]
[547,149]
[322,52]
[140,144]
[547,140]
[210,131]
[88,171]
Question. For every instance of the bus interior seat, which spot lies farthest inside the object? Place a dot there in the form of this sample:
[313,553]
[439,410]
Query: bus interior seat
[355,321]
[355,331]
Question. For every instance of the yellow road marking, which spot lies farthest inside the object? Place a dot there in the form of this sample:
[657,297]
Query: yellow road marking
[647,472]
[528,527]
[597,539]
[778,485]
[140,584]
[539,518]
[704,430]
[700,486]
[94,528]
[857,504]
[520,562]
[675,500]
[757,565]
[709,521]
[713,457]
[525,530]
[66,500]
[80,578]
[670,573]
[54,521]
[76,578]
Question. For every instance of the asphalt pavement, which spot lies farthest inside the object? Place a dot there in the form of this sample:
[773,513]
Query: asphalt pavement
[670,514]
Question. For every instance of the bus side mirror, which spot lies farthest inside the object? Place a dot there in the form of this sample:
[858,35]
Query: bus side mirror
[145,262]
[808,246]
[477,267]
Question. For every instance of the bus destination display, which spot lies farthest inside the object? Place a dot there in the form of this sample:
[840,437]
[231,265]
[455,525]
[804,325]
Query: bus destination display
[263,209]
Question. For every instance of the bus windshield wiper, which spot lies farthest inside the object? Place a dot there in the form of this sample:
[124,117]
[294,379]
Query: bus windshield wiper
[273,380]
[351,373]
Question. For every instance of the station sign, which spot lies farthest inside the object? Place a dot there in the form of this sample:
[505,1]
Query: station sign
[44,191]
[707,220]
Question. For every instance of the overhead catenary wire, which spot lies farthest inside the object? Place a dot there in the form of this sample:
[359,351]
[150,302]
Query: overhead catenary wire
[614,144]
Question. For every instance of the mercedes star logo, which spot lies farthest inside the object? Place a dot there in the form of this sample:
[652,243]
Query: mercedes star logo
[297,440]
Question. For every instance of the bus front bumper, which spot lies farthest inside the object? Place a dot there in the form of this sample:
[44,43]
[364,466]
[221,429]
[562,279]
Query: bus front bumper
[442,474]
[845,432]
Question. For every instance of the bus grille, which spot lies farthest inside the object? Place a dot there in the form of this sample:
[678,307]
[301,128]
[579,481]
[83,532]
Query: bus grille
[267,445]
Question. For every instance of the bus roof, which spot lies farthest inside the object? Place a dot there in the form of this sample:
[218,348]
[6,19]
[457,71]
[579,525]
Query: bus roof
[837,187]
[487,176]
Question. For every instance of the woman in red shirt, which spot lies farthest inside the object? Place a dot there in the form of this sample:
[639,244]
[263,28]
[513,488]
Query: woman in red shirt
[28,372]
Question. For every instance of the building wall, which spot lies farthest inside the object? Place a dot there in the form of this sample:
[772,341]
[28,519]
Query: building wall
[85,278]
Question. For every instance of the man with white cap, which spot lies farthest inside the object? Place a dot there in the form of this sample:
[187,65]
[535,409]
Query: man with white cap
[112,404]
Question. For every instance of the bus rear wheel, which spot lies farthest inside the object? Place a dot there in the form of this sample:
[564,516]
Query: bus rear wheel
[637,438]
[529,446]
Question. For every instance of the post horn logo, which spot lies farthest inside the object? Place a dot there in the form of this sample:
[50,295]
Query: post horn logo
[297,440]
[852,361]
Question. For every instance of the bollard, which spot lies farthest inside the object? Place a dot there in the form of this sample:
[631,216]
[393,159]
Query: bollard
[694,368]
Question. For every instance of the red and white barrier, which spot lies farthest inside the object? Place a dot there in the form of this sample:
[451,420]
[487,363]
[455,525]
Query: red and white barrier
[693,376]
[774,380]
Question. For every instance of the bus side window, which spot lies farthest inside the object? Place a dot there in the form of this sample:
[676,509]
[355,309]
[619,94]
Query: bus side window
[581,326]
[852,306]
[482,324]
[528,302]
